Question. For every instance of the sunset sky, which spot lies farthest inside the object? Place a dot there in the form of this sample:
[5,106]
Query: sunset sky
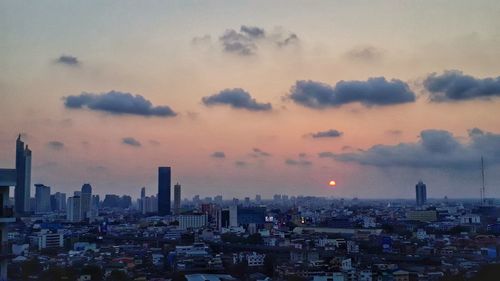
[254,97]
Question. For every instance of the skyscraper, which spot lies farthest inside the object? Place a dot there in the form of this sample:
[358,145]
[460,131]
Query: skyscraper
[142,200]
[177,198]
[73,210]
[421,193]
[23,180]
[42,198]
[86,201]
[164,178]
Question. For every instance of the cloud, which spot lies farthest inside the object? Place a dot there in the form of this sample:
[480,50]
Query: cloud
[436,149]
[55,145]
[115,102]
[365,53]
[218,154]
[236,98]
[253,31]
[256,152]
[131,141]
[201,40]
[327,134]
[453,85]
[298,162]
[68,60]
[394,132]
[247,40]
[241,163]
[373,92]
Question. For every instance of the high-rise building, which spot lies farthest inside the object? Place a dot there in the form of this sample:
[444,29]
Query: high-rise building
[142,201]
[421,193]
[164,186]
[177,198]
[23,180]
[73,210]
[86,201]
[42,198]
[7,179]
[58,201]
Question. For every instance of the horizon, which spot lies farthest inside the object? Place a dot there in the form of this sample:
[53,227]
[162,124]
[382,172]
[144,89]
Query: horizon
[277,102]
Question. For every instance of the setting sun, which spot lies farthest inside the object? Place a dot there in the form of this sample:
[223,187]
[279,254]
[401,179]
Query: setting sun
[332,183]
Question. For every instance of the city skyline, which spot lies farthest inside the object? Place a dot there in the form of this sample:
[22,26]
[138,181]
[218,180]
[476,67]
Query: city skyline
[240,104]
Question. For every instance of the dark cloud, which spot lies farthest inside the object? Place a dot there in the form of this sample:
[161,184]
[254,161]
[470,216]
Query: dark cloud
[55,145]
[245,42]
[327,134]
[241,163]
[453,85]
[373,92]
[237,43]
[218,154]
[298,162]
[253,31]
[365,53]
[436,149]
[256,152]
[236,98]
[68,60]
[131,141]
[117,103]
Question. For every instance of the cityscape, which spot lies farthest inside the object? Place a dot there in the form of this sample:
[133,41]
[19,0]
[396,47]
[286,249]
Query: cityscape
[250,140]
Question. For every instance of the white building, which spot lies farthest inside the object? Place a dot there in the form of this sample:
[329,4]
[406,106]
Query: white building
[74,211]
[47,239]
[192,221]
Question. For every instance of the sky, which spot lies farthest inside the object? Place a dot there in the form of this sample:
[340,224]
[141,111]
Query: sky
[254,97]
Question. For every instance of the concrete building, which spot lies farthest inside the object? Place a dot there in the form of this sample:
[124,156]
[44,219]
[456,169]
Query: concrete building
[86,201]
[177,199]
[23,178]
[42,199]
[74,211]
[421,193]
[8,178]
[46,239]
[58,202]
[164,182]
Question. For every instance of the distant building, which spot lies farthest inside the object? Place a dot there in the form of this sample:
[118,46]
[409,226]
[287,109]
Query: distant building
[58,201]
[421,215]
[192,221]
[421,193]
[177,198]
[142,201]
[251,215]
[42,198]
[164,181]
[23,180]
[86,201]
[74,211]
[47,239]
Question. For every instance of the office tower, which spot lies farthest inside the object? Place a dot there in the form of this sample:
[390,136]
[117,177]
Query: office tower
[177,198]
[233,216]
[7,179]
[218,199]
[58,201]
[96,203]
[74,211]
[142,202]
[42,198]
[421,192]
[164,177]
[86,201]
[258,198]
[23,179]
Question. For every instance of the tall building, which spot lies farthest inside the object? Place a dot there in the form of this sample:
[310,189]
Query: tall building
[42,198]
[86,201]
[142,201]
[7,179]
[177,198]
[421,193]
[58,201]
[164,178]
[73,210]
[23,179]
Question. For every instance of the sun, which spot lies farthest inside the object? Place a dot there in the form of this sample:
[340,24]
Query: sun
[332,183]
